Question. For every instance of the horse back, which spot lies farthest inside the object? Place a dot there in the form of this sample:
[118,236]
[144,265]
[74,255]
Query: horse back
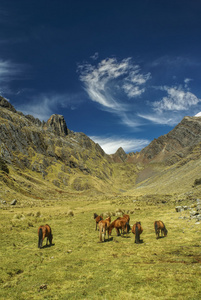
[137,228]
[98,219]
[127,217]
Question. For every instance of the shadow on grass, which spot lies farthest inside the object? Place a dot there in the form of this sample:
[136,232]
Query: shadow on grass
[140,242]
[47,246]
[107,240]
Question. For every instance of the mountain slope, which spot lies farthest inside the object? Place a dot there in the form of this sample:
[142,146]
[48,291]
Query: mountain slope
[39,159]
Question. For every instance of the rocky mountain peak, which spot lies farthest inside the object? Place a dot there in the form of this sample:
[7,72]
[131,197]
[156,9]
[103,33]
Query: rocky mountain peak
[58,124]
[120,155]
[6,104]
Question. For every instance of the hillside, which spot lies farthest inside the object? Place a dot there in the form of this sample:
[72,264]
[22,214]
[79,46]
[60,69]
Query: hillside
[39,159]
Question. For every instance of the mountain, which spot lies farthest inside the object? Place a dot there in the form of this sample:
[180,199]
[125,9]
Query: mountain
[39,159]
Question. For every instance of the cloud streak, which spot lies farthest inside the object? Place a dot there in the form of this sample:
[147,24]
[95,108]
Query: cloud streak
[110,80]
[111,144]
[44,105]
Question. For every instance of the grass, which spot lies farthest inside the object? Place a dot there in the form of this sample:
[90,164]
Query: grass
[78,266]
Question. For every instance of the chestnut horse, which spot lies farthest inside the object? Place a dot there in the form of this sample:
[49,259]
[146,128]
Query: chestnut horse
[103,227]
[44,231]
[137,230]
[119,223]
[159,226]
[127,217]
[97,219]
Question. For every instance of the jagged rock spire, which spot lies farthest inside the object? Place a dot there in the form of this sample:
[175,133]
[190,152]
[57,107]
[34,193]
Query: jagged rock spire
[58,124]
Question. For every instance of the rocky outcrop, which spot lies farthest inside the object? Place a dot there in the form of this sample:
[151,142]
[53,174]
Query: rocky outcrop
[58,124]
[4,103]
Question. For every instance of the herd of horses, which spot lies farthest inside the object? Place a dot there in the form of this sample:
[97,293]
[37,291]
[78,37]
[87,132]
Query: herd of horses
[121,225]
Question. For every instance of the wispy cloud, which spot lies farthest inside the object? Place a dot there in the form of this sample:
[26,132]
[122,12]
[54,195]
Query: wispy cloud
[110,80]
[9,70]
[122,88]
[111,144]
[44,105]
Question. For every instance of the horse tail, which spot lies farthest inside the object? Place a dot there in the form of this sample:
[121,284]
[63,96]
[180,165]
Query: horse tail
[40,238]
[128,227]
[137,235]
[156,227]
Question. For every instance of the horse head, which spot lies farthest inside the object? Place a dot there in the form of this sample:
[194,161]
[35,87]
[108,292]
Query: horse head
[95,215]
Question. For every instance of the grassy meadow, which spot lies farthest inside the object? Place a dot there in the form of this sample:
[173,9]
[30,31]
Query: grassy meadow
[78,266]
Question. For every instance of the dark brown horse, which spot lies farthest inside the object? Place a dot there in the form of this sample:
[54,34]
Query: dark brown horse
[97,219]
[119,223]
[44,231]
[159,226]
[137,230]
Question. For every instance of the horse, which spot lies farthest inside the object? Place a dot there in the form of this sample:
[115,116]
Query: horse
[103,227]
[159,226]
[43,232]
[137,230]
[98,219]
[127,217]
[119,223]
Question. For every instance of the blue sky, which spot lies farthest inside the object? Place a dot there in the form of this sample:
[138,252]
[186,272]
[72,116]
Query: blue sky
[122,72]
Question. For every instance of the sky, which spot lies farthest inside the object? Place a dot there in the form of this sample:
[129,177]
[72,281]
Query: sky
[122,72]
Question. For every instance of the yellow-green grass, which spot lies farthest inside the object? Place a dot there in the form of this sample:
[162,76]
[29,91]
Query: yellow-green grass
[78,266]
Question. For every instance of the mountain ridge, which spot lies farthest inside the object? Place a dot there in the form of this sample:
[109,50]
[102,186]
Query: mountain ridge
[55,157]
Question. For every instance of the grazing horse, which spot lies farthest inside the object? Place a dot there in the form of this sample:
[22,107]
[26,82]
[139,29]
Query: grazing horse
[137,230]
[160,226]
[127,217]
[97,219]
[103,227]
[44,231]
[119,223]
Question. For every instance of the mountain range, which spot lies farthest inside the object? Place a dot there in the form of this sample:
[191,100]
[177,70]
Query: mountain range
[38,158]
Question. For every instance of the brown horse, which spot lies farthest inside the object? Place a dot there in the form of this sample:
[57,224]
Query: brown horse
[137,230]
[159,226]
[103,227]
[97,219]
[44,231]
[127,217]
[119,223]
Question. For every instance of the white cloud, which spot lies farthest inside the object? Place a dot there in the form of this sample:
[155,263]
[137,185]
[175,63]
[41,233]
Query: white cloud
[109,79]
[111,144]
[177,100]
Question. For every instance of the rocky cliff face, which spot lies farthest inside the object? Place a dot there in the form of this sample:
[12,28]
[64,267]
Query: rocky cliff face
[175,145]
[49,148]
